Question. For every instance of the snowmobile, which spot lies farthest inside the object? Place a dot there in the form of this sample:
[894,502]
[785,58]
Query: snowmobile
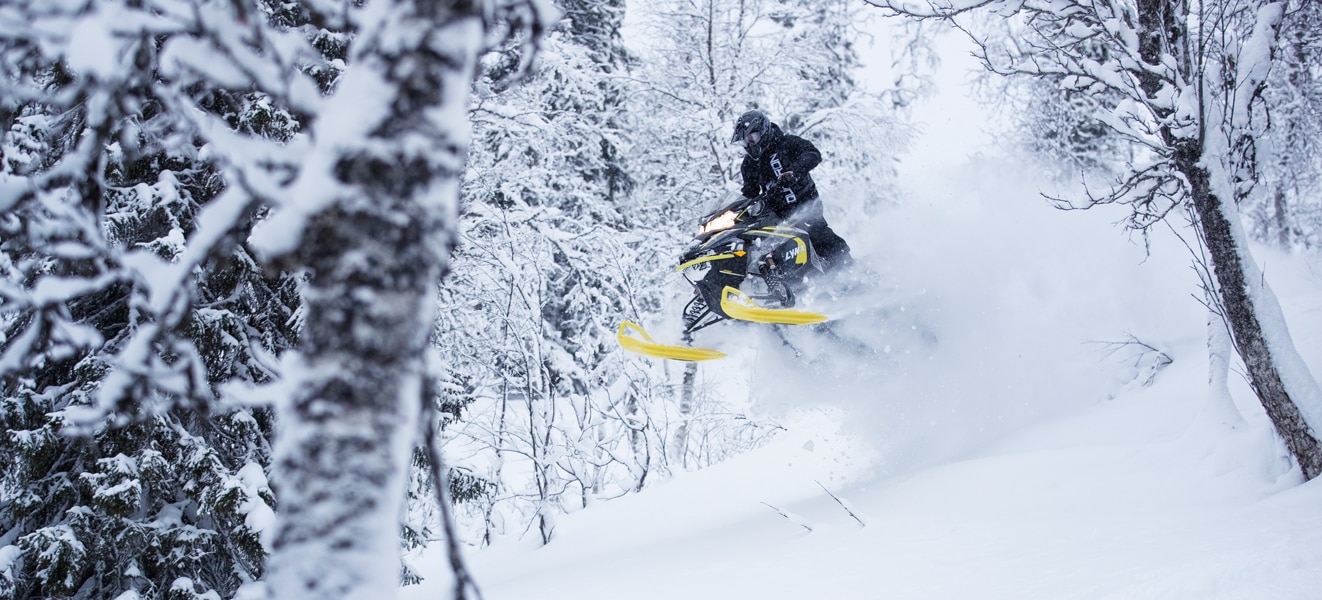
[739,246]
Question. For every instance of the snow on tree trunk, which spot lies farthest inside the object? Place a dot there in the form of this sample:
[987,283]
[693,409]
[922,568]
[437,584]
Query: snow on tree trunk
[1279,377]
[371,220]
[1277,374]
[679,448]
[1220,352]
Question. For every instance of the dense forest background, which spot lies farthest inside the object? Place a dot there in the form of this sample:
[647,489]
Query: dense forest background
[268,263]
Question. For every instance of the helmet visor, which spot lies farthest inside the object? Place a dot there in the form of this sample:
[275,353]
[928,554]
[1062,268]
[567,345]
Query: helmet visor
[746,138]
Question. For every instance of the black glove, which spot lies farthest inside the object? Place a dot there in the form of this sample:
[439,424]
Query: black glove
[787,178]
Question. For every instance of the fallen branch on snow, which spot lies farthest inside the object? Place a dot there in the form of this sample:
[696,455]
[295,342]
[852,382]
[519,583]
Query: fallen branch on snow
[793,518]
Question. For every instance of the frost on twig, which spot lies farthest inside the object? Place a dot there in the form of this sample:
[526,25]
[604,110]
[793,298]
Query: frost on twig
[843,504]
[793,518]
[1138,363]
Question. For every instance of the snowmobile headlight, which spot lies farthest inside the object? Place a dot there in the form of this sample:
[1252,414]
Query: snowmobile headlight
[720,223]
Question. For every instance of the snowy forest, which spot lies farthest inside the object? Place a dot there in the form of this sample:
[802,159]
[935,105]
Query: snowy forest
[319,298]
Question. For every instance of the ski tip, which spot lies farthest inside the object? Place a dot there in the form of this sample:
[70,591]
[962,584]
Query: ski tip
[634,338]
[738,305]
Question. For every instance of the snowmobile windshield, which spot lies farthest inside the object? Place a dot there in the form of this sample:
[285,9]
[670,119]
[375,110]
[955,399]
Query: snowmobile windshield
[720,203]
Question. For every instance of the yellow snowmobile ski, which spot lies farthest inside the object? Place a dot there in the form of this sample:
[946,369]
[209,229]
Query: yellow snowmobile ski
[743,308]
[643,344]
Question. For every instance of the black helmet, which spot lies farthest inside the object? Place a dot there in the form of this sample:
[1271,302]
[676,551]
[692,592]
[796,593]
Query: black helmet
[751,129]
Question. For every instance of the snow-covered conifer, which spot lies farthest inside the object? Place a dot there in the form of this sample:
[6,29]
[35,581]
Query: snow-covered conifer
[127,468]
[143,142]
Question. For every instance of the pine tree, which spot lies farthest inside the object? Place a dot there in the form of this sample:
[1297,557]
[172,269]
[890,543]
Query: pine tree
[131,309]
[126,470]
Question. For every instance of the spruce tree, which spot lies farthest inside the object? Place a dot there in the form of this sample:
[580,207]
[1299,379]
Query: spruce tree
[127,469]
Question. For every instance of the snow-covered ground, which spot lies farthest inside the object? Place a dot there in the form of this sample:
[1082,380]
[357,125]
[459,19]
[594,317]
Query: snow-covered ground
[1003,451]
[990,419]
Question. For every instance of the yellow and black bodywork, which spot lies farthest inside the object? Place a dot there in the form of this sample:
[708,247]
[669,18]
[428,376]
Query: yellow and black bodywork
[738,247]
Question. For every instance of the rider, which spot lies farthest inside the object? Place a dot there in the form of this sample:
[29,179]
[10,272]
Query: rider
[776,164]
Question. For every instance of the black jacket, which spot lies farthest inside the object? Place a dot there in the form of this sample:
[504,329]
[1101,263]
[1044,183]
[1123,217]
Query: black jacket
[782,152]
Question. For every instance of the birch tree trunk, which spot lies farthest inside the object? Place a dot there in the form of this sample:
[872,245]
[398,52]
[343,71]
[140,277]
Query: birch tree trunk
[1263,344]
[372,223]
[1220,352]
[1262,358]
[1243,316]
[679,444]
